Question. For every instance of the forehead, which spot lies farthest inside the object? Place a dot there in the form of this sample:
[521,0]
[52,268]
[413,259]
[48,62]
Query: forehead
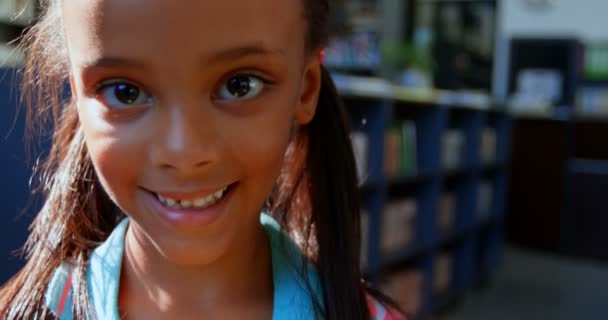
[179,28]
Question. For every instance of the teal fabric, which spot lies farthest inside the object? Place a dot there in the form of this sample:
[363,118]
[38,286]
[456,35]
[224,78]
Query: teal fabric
[291,294]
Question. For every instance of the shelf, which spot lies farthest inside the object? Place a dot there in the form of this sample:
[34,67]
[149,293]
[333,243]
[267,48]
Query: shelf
[454,235]
[406,255]
[455,173]
[358,70]
[493,167]
[599,117]
[563,113]
[593,83]
[588,166]
[410,180]
[491,220]
[369,186]
[413,251]
[377,88]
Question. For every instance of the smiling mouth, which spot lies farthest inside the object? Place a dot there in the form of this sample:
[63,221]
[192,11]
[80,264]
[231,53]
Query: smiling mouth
[194,203]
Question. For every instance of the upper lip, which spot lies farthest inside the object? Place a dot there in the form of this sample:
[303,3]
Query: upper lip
[187,195]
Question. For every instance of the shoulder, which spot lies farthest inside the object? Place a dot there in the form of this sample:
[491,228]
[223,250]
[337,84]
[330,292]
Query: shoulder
[378,311]
[59,293]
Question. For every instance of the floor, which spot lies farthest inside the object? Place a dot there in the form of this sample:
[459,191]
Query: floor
[535,286]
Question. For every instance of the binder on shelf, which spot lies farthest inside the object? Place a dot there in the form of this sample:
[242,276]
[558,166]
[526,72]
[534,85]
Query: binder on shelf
[488,146]
[447,213]
[452,149]
[360,141]
[398,226]
[442,273]
[406,288]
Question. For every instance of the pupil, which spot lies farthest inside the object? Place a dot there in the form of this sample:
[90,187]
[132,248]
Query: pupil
[239,86]
[126,93]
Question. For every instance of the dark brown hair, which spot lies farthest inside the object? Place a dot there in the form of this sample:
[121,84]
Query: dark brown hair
[316,199]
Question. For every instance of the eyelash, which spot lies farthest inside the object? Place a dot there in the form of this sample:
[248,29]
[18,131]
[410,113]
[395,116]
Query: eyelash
[104,85]
[265,81]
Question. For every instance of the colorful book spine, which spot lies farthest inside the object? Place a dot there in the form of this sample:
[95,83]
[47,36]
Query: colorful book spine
[401,155]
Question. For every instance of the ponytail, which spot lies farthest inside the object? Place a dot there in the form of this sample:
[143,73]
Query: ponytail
[336,206]
[317,201]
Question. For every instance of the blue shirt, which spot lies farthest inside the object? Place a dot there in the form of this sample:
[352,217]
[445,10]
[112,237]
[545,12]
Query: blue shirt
[292,299]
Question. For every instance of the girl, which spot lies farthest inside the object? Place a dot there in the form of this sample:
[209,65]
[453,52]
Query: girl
[186,119]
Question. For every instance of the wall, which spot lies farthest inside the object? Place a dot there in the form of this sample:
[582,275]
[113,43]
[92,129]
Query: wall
[583,19]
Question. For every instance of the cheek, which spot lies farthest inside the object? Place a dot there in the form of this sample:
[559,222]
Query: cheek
[116,155]
[259,145]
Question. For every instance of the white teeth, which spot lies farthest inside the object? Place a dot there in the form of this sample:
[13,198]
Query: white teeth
[199,203]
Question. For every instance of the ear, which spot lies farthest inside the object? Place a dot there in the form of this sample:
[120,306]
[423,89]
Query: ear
[309,91]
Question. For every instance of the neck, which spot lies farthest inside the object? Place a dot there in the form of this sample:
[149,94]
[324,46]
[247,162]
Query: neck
[241,277]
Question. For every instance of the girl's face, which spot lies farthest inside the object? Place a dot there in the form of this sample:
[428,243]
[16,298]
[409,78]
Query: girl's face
[187,109]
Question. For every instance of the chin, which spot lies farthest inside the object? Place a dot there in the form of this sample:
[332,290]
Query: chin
[194,253]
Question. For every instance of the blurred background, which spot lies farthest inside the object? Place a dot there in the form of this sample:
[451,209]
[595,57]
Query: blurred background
[478,127]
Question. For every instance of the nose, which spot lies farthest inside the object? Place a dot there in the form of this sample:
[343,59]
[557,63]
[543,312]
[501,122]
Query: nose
[187,140]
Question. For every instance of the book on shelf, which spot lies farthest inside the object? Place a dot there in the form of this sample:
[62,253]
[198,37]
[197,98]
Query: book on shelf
[398,226]
[360,142]
[488,146]
[442,273]
[401,154]
[592,100]
[595,61]
[392,152]
[359,50]
[452,149]
[406,289]
[409,154]
[486,191]
[446,215]
[20,12]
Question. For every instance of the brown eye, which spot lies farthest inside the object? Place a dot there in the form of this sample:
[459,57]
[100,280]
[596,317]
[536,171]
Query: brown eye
[122,95]
[241,87]
[126,93]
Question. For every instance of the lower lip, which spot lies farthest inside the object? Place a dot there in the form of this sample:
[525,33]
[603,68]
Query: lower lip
[189,217]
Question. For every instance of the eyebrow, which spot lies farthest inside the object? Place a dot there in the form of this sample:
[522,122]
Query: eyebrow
[241,52]
[223,55]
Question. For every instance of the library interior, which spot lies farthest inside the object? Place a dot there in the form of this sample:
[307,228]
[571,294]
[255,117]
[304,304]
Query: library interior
[477,133]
